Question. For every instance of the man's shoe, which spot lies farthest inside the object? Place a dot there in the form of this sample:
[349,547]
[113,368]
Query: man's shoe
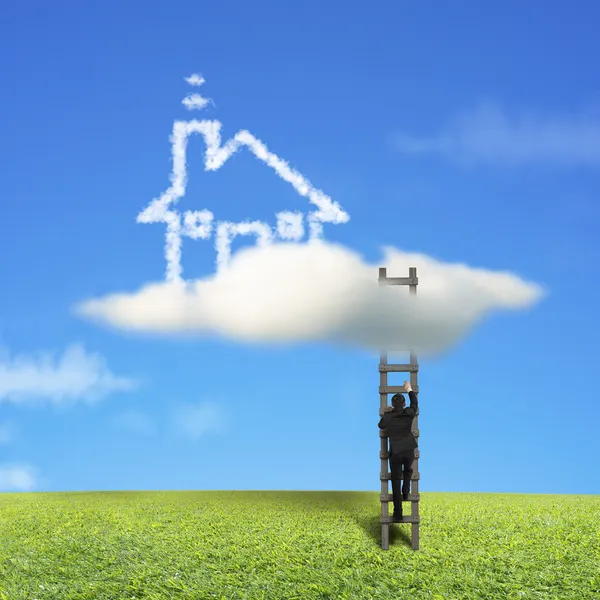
[404,496]
[397,518]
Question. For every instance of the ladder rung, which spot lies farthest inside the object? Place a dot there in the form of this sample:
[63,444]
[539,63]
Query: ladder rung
[399,368]
[384,432]
[390,498]
[405,519]
[386,455]
[399,280]
[387,476]
[396,389]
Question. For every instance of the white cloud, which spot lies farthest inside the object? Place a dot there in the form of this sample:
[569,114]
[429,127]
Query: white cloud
[287,292]
[488,135]
[76,375]
[18,478]
[290,225]
[135,422]
[195,102]
[226,231]
[195,79]
[194,421]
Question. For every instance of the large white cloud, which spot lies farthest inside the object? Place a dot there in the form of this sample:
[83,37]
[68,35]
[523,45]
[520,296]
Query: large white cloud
[289,292]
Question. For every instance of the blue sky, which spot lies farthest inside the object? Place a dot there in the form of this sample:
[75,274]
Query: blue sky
[469,134]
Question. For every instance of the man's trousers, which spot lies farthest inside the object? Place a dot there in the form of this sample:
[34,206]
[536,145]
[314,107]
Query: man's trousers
[401,471]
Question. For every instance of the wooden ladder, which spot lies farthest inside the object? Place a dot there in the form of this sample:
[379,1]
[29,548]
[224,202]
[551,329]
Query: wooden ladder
[384,390]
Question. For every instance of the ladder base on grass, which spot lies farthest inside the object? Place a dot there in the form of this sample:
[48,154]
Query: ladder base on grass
[405,519]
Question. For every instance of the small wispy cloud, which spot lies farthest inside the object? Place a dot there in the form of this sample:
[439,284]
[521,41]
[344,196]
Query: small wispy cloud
[195,79]
[76,375]
[135,422]
[487,135]
[195,102]
[196,420]
[17,478]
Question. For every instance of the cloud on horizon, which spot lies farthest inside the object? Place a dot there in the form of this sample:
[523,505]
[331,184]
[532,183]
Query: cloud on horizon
[487,135]
[76,375]
[319,291]
[17,478]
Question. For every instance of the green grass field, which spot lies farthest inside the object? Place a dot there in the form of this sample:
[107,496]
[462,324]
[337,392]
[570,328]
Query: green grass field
[301,545]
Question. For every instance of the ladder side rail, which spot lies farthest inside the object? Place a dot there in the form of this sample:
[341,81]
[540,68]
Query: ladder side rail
[414,383]
[384,446]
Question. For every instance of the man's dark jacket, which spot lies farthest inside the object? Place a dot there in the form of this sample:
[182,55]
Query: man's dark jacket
[398,423]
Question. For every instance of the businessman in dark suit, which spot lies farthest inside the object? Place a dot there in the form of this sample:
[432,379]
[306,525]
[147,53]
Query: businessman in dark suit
[397,419]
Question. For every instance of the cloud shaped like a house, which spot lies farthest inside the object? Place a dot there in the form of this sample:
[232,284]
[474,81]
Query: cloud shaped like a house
[200,224]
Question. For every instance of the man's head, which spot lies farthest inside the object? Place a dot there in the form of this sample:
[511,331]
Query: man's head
[398,401]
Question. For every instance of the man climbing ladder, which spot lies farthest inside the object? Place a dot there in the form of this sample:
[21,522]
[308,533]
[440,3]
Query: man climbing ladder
[398,420]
